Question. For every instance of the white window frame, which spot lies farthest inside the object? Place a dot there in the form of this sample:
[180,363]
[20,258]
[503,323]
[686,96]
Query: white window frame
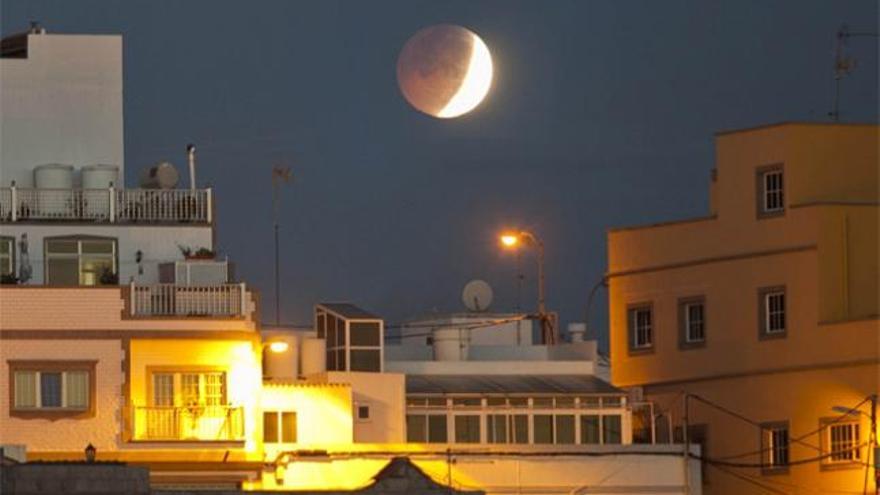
[7,261]
[688,336]
[646,339]
[769,313]
[178,386]
[80,256]
[852,446]
[279,423]
[772,193]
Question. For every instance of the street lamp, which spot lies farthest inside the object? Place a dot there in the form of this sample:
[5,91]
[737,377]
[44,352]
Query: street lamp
[872,436]
[277,346]
[512,240]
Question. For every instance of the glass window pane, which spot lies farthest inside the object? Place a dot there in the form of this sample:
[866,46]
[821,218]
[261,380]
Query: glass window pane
[340,359]
[63,271]
[437,428]
[93,268]
[518,402]
[565,428]
[496,401]
[520,426]
[543,428]
[467,429]
[542,402]
[62,246]
[466,402]
[590,402]
[589,429]
[104,246]
[416,428]
[365,360]
[340,332]
[50,389]
[163,389]
[5,246]
[77,383]
[564,402]
[611,429]
[437,401]
[189,389]
[496,428]
[25,389]
[270,427]
[288,427]
[331,360]
[364,334]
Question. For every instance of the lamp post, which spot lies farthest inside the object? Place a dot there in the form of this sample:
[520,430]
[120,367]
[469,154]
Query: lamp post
[513,241]
[279,175]
[872,436]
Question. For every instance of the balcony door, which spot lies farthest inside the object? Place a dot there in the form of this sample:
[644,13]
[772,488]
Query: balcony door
[188,406]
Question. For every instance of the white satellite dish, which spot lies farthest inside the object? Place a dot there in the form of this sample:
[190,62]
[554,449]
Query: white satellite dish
[477,295]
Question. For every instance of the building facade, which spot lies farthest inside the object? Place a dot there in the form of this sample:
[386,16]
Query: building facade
[764,314]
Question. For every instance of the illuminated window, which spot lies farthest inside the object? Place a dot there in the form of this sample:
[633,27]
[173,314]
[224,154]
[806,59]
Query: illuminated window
[51,386]
[7,256]
[641,328]
[279,427]
[188,389]
[81,261]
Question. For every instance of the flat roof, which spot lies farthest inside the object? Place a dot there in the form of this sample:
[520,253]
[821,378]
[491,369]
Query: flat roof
[508,384]
[349,311]
[792,123]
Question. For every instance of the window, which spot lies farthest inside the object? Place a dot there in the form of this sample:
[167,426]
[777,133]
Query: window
[843,442]
[81,261]
[543,428]
[496,428]
[188,389]
[611,430]
[564,424]
[772,312]
[590,429]
[775,445]
[771,191]
[52,388]
[467,428]
[426,428]
[692,322]
[279,427]
[641,330]
[363,412]
[7,256]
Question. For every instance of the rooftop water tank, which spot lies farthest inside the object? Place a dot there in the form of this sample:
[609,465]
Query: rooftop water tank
[576,331]
[56,198]
[99,176]
[282,365]
[451,344]
[314,356]
[162,175]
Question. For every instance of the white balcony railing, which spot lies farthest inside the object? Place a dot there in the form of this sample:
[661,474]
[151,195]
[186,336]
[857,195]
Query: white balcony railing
[188,423]
[172,300]
[109,205]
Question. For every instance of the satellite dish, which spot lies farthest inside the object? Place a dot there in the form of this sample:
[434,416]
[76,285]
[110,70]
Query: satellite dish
[477,295]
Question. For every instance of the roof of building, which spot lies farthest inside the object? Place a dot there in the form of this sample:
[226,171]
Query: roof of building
[508,384]
[793,123]
[348,310]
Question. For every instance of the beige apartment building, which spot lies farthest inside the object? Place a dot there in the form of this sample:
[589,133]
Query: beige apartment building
[764,314]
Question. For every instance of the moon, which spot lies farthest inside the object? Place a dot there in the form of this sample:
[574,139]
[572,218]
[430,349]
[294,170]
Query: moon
[444,71]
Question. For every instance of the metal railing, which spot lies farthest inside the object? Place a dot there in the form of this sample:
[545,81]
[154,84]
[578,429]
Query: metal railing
[188,423]
[109,205]
[172,300]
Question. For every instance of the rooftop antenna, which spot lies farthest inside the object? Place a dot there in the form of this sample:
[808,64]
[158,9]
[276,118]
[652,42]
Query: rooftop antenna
[843,65]
[279,175]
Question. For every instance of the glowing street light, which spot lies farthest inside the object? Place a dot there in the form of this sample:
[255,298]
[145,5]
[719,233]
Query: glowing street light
[512,240]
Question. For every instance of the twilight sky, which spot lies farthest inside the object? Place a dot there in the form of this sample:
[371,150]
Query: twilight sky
[601,114]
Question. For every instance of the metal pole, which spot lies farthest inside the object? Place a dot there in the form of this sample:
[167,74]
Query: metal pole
[687,447]
[603,282]
[277,257]
[546,330]
[874,444]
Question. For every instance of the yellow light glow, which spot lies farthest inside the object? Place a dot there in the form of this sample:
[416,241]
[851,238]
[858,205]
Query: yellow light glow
[278,346]
[509,240]
[475,85]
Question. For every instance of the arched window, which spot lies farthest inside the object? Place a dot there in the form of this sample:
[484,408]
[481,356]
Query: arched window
[81,260]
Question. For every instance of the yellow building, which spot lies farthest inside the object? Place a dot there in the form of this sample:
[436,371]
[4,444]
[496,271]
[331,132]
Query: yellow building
[766,310]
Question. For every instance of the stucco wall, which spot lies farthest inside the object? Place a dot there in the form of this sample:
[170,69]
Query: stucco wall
[68,435]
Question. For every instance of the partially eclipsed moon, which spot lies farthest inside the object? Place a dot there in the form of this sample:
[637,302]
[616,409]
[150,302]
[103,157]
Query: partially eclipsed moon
[444,71]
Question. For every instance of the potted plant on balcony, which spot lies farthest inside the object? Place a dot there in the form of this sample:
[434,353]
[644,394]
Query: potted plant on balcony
[8,279]
[109,277]
[196,254]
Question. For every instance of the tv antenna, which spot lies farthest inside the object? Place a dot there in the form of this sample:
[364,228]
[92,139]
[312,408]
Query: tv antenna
[843,65]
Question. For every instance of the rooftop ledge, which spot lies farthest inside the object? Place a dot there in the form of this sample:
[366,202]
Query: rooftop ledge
[111,205]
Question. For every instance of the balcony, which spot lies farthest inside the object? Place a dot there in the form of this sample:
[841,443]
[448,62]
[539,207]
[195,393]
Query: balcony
[154,206]
[172,300]
[188,423]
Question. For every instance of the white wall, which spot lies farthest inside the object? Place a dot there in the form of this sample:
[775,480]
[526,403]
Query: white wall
[508,333]
[385,394]
[158,244]
[62,104]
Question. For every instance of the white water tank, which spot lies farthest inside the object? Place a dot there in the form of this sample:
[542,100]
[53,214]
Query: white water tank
[284,364]
[99,176]
[162,175]
[576,331]
[56,198]
[451,344]
[314,356]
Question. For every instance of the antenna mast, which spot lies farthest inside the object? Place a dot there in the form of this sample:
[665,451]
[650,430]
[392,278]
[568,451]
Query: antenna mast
[842,66]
